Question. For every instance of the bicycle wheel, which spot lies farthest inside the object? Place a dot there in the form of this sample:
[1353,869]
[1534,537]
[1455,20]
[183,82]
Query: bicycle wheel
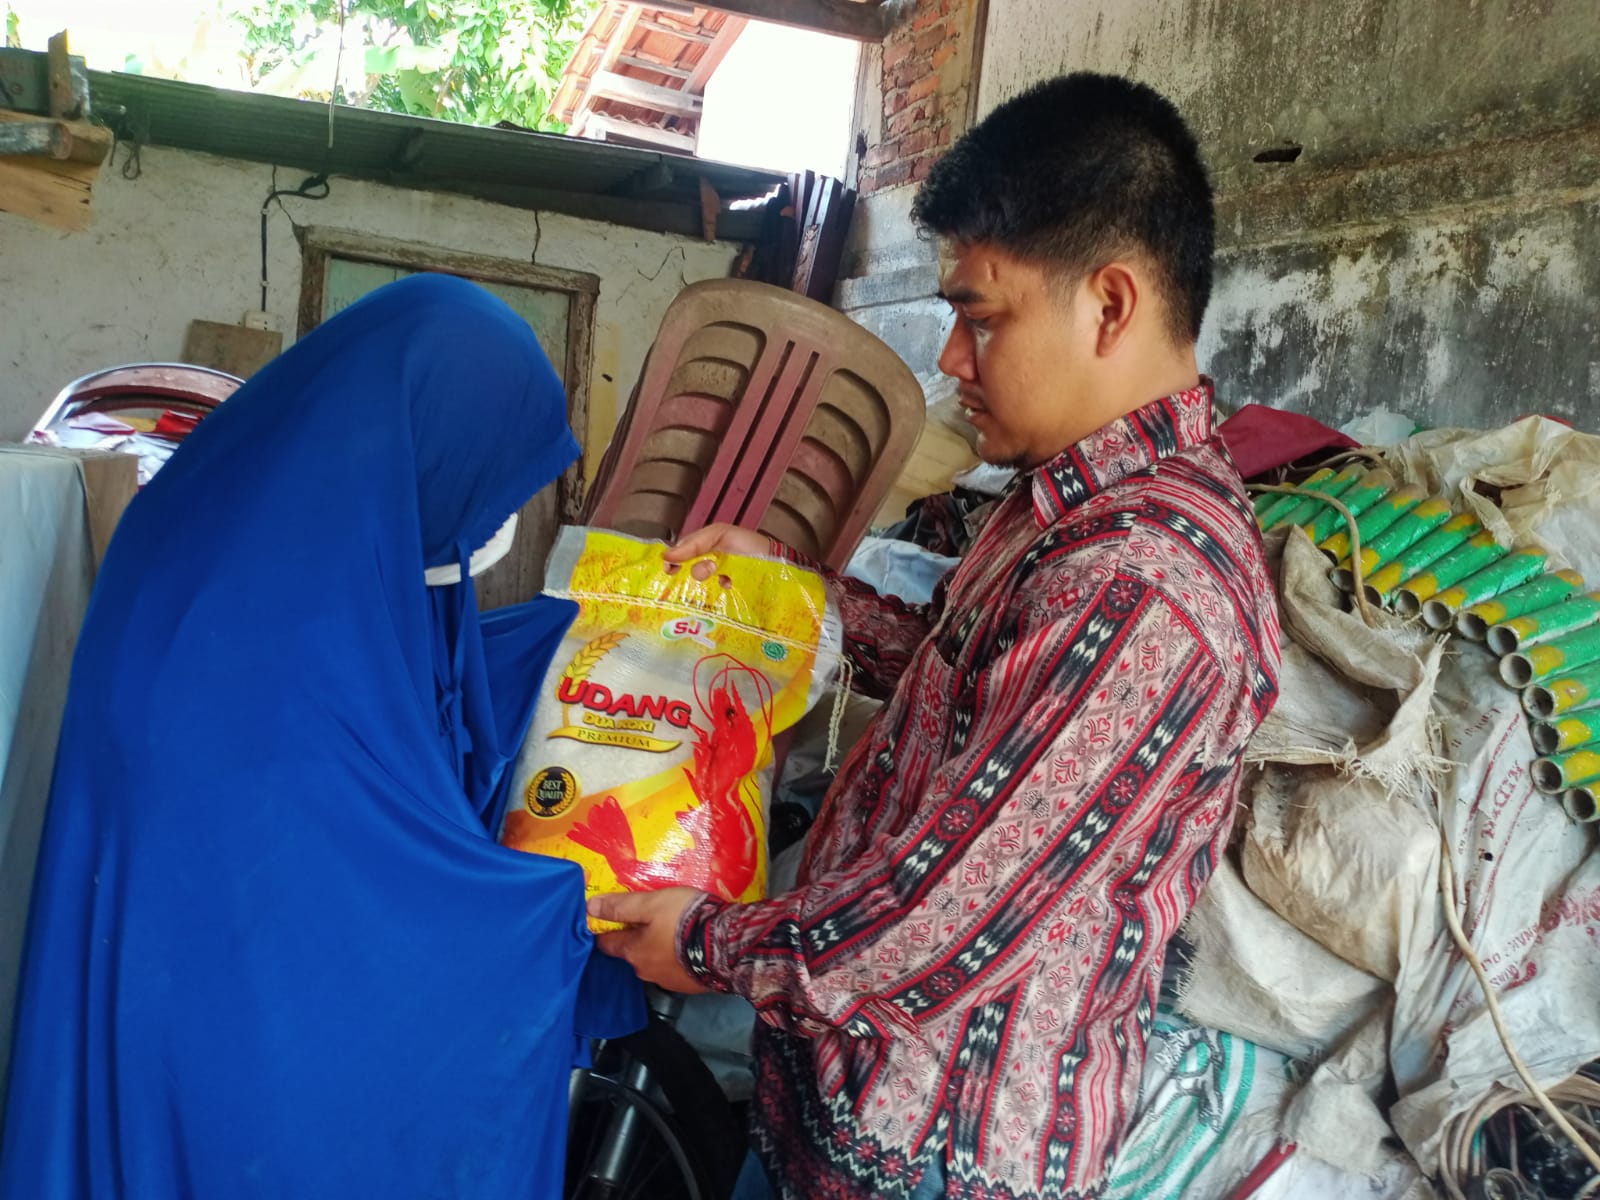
[650,1123]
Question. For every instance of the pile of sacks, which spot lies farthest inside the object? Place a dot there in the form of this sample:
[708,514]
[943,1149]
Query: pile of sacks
[1323,936]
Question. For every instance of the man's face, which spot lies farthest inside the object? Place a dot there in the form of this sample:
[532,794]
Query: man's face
[1022,350]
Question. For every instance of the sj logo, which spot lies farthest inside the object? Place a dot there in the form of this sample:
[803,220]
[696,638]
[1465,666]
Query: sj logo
[694,629]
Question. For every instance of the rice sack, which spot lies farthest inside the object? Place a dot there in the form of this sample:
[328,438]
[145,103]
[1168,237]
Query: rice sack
[649,757]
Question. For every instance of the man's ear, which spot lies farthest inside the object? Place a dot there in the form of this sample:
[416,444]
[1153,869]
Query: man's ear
[1115,290]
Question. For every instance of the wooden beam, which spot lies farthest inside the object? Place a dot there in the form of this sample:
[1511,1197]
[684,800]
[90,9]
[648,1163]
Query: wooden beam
[65,141]
[622,138]
[58,193]
[110,482]
[646,64]
[688,35]
[612,129]
[664,216]
[712,58]
[53,187]
[63,104]
[865,21]
[710,207]
[614,48]
[39,139]
[569,95]
[628,90]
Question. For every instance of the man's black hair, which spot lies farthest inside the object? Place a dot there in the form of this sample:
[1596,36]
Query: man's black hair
[1075,171]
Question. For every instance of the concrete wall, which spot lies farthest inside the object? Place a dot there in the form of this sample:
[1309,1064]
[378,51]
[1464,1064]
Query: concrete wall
[1433,248]
[182,241]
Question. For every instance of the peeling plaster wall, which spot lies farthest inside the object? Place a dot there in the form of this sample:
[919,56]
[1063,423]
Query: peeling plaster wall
[1464,322]
[182,241]
[1435,246]
[1347,79]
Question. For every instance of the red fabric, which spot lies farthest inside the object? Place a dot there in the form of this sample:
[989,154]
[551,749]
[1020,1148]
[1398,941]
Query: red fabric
[968,967]
[1261,438]
[176,425]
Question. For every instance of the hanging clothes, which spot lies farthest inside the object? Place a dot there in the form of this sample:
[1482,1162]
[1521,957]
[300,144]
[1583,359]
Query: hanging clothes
[273,949]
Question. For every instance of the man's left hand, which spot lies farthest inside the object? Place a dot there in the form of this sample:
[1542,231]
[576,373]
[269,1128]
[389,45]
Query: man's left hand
[650,943]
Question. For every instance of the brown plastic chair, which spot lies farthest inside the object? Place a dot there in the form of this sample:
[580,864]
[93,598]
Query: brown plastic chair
[761,408]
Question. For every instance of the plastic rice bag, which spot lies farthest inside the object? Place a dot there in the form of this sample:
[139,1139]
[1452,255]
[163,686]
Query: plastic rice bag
[649,758]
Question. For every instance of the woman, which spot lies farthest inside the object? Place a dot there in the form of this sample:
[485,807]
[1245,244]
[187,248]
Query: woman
[274,950]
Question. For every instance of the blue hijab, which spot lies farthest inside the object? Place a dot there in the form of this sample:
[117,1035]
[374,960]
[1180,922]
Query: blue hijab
[274,950]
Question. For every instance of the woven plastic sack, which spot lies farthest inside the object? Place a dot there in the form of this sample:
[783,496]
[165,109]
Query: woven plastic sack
[1350,856]
[649,759]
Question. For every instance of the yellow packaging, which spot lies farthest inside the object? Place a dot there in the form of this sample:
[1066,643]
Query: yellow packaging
[649,758]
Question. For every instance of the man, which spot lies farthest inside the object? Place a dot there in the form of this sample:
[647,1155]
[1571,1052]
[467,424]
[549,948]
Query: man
[957,996]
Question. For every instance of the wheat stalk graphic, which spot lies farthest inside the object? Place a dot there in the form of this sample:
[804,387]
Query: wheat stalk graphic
[588,658]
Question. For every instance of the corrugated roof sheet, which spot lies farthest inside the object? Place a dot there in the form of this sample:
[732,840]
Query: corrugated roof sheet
[641,188]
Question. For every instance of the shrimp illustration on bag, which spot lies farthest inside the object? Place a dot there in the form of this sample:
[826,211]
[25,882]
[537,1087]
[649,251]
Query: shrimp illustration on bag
[650,754]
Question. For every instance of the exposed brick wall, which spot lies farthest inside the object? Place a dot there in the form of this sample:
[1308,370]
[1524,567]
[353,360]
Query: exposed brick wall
[926,84]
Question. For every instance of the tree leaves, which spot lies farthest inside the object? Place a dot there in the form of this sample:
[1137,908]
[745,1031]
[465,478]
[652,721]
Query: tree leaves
[477,61]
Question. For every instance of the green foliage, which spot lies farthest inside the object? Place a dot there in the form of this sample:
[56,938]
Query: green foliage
[476,61]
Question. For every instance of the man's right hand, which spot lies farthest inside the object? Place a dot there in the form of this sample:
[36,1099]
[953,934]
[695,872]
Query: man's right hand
[718,539]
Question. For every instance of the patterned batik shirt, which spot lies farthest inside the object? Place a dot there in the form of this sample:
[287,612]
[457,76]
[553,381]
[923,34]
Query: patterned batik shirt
[969,964]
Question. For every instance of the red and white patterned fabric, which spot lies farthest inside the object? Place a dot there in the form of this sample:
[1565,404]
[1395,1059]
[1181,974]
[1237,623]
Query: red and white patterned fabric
[970,962]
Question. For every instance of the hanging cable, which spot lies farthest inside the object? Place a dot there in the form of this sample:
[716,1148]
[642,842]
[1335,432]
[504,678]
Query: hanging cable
[312,187]
[1447,897]
[338,65]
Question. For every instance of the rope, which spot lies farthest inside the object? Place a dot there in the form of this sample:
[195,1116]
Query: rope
[843,684]
[1465,1131]
[1339,457]
[1371,453]
[1289,489]
[841,699]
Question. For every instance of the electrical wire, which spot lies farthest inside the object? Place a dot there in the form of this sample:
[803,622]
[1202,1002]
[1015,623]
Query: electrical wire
[312,187]
[338,67]
[1582,1090]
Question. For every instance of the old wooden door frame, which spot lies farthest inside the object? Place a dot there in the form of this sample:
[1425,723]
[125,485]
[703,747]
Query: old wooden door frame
[320,244]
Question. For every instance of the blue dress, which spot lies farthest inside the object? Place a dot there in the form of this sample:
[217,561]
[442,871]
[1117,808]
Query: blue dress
[274,950]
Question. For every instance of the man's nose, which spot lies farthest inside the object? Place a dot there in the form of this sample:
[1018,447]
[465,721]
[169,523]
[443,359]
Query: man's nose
[956,359]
